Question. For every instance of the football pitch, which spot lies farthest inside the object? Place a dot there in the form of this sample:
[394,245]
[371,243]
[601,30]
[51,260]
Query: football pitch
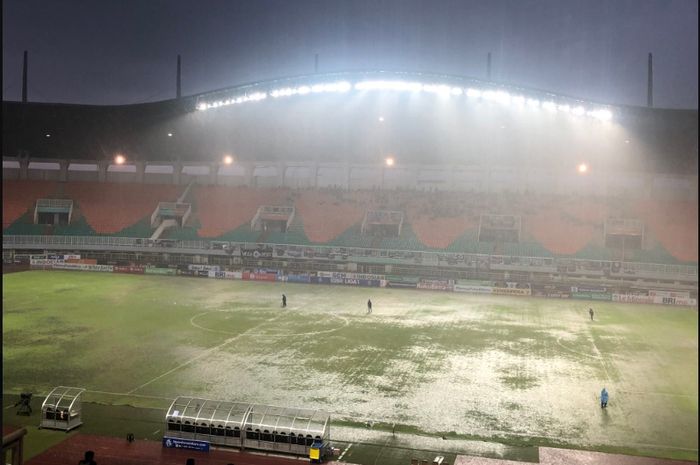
[510,370]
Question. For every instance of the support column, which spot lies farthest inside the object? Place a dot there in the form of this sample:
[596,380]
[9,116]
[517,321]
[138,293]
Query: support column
[315,171]
[250,174]
[24,168]
[348,174]
[102,170]
[281,170]
[213,173]
[177,173]
[140,171]
[63,173]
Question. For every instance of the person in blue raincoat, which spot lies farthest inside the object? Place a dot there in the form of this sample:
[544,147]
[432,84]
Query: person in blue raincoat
[603,398]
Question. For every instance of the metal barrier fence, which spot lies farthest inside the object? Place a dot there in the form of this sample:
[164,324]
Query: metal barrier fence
[288,251]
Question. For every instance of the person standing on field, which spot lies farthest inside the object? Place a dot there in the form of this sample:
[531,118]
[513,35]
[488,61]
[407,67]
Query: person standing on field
[590,312]
[284,301]
[603,398]
[369,306]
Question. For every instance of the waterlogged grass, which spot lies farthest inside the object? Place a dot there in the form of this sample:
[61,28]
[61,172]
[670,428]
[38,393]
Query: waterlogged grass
[519,371]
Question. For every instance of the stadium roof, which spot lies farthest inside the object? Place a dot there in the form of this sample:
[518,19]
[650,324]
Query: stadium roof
[333,125]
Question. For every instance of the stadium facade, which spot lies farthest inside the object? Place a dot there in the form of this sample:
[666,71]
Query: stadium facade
[493,188]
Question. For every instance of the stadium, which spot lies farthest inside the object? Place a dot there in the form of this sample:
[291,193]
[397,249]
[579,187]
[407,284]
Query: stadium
[522,250]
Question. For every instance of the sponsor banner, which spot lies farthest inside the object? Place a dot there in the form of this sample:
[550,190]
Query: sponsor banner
[233,275]
[473,289]
[340,275]
[557,295]
[83,267]
[257,253]
[129,269]
[298,278]
[203,267]
[252,276]
[591,295]
[674,294]
[633,299]
[71,257]
[674,300]
[189,444]
[588,289]
[202,273]
[510,291]
[435,284]
[688,302]
[187,273]
[45,261]
[84,261]
[165,271]
[403,284]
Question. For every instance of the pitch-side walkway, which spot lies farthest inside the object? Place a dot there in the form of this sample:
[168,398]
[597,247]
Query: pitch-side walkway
[552,456]
[115,451]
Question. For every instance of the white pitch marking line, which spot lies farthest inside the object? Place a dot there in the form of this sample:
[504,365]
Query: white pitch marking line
[203,354]
[575,351]
[346,449]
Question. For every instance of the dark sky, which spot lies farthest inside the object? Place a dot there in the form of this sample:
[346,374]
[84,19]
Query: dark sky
[124,51]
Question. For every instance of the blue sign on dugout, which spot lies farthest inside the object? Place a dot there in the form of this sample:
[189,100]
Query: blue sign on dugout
[176,443]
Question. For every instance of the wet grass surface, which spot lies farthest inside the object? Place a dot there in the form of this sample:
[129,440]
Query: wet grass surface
[520,372]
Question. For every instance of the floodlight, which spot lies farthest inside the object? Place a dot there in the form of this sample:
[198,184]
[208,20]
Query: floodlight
[303,90]
[549,106]
[473,93]
[202,106]
[564,108]
[602,114]
[582,168]
[389,161]
[119,159]
[48,135]
[578,111]
[456,91]
[518,100]
[381,119]
[170,134]
[228,159]
[531,102]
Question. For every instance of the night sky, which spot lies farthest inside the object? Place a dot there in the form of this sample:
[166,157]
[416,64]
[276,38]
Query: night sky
[124,51]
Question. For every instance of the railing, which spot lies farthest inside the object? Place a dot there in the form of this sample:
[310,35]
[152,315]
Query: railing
[580,266]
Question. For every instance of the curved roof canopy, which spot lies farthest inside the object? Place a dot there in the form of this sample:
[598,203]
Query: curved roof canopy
[264,418]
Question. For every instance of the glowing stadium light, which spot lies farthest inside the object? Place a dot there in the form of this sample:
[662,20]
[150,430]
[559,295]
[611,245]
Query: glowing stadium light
[582,168]
[499,96]
[603,115]
[119,159]
[228,159]
[456,91]
[437,89]
[48,135]
[473,93]
[381,119]
[389,85]
[202,106]
[564,108]
[303,90]
[578,111]
[550,106]
[534,103]
[389,161]
[518,100]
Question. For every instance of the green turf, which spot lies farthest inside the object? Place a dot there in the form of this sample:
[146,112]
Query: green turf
[519,372]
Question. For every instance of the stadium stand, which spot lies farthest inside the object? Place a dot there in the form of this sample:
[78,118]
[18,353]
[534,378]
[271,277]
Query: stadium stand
[438,221]
[110,207]
[19,197]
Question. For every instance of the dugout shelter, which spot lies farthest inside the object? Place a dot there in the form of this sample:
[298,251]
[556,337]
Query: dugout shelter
[62,408]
